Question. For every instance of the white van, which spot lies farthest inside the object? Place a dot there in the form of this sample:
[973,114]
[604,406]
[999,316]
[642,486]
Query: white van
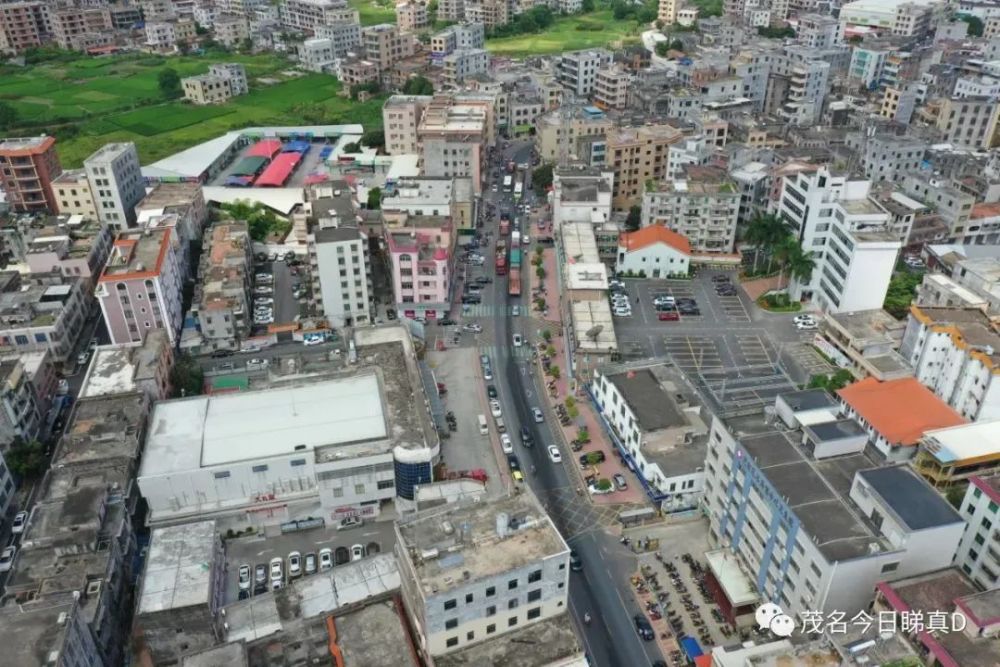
[484,428]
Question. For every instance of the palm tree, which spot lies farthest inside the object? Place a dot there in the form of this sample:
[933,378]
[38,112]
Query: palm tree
[782,254]
[799,263]
[766,232]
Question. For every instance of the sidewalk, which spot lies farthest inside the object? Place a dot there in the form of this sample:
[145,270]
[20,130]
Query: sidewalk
[598,438]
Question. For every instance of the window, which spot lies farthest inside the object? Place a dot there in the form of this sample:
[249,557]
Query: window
[890,567]
[297,462]
[491,628]
[535,595]
[512,584]
[222,475]
[451,624]
[386,484]
[449,604]
[534,576]
[512,604]
[469,636]
[491,591]
[512,621]
[452,641]
[260,468]
[491,611]
[534,612]
[987,524]
[980,539]
[468,598]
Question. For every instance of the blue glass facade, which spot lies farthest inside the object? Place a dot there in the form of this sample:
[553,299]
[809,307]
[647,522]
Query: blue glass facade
[409,475]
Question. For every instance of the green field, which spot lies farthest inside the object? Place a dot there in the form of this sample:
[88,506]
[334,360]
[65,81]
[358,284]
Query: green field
[569,33]
[373,12]
[89,102]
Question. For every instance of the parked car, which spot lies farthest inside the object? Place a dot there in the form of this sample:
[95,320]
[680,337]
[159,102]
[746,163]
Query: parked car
[505,444]
[487,373]
[513,463]
[83,357]
[472,328]
[244,577]
[20,519]
[644,628]
[805,326]
[277,572]
[518,340]
[294,565]
[554,454]
[575,562]
[537,414]
[257,364]
[591,458]
[495,408]
[669,316]
[311,563]
[447,322]
[7,558]
[526,438]
[808,319]
[491,391]
[350,522]
[325,559]
[309,341]
[357,552]
[720,278]
[620,481]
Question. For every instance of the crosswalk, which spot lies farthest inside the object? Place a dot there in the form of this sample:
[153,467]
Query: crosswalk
[486,310]
[494,351]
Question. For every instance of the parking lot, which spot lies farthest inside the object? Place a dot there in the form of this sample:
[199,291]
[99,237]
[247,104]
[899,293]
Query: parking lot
[373,536]
[277,293]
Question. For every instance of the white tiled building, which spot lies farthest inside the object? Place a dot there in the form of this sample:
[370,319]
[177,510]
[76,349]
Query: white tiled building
[116,183]
[978,553]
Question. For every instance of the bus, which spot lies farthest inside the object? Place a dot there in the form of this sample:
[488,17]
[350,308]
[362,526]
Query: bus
[518,189]
[507,181]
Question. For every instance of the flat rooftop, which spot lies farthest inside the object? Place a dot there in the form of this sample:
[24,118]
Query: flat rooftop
[226,655]
[579,242]
[446,543]
[33,635]
[137,253]
[204,431]
[587,276]
[178,567]
[738,586]
[835,430]
[548,642]
[869,327]
[376,634]
[973,326]
[979,440]
[102,428]
[910,497]
[586,317]
[809,399]
[816,491]
[652,406]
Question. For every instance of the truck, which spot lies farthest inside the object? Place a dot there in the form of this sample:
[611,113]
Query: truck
[515,258]
[504,228]
[511,166]
[514,280]
[515,240]
[501,257]
[518,190]
[508,182]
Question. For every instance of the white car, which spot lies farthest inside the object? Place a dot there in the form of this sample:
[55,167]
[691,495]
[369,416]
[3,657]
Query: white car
[537,414]
[487,373]
[357,552]
[662,300]
[294,565]
[244,577]
[7,558]
[505,444]
[805,326]
[277,573]
[350,522]
[312,340]
[257,363]
[495,408]
[518,340]
[325,559]
[472,328]
[515,311]
[20,519]
[554,454]
[622,313]
[804,318]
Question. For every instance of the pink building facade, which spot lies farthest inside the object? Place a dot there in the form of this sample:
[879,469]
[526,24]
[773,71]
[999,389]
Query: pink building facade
[141,287]
[421,270]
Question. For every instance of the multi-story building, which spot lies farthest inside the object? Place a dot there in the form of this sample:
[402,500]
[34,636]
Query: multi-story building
[462,64]
[20,417]
[692,150]
[401,116]
[577,70]
[461,601]
[125,17]
[558,132]
[703,207]
[953,205]
[27,167]
[386,44]
[136,367]
[344,36]
[383,449]
[653,252]
[222,297]
[906,18]
[183,205]
[896,414]
[461,36]
[73,194]
[611,86]
[581,194]
[231,30]
[867,342]
[454,133]
[638,157]
[79,542]
[979,551]
[867,61]
[411,16]
[976,86]
[898,103]
[168,34]
[355,71]
[308,15]
[818,31]
[142,283]
[433,197]
[79,28]
[969,122]
[659,429]
[667,11]
[422,261]
[222,82]
[812,533]
[75,248]
[950,457]
[954,353]
[43,313]
[24,25]
[490,13]
[116,183]
[885,157]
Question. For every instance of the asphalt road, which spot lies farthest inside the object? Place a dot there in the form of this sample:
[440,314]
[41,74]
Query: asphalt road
[602,588]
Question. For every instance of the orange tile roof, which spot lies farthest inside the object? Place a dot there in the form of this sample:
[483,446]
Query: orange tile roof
[900,410]
[647,236]
[985,210]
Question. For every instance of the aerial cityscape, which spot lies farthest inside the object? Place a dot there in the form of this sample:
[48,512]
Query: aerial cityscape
[515,333]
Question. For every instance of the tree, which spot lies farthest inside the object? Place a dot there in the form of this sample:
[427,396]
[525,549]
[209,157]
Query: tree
[374,199]
[776,33]
[169,82]
[8,115]
[620,10]
[765,232]
[418,85]
[373,139]
[26,458]
[956,495]
[677,45]
[541,179]
[634,219]
[661,49]
[186,377]
[840,379]
[975,24]
[801,264]
[587,6]
[902,290]
[353,147]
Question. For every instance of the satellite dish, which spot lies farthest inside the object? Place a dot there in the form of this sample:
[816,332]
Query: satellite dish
[594,331]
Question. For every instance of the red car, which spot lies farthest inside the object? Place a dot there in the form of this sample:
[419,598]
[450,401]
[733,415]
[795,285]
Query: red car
[669,316]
